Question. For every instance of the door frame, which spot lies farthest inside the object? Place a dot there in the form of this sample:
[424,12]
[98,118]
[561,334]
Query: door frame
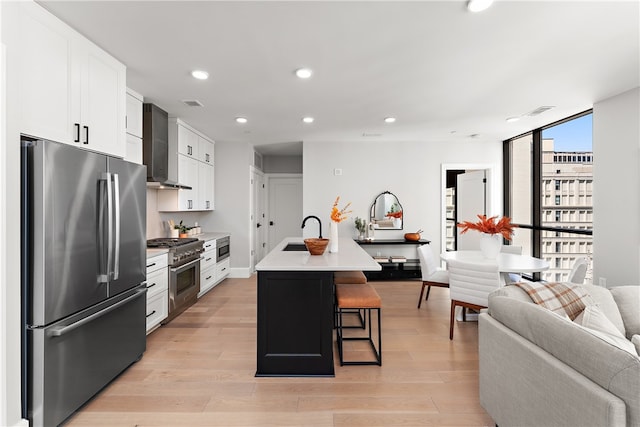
[253,233]
[491,197]
[267,183]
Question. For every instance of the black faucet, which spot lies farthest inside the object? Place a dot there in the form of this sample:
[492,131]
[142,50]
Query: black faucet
[319,224]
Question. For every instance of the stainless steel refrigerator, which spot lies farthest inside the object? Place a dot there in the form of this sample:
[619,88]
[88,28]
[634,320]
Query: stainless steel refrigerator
[83,267]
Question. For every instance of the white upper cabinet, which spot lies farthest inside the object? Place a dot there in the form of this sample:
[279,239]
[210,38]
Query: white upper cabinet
[205,149]
[205,186]
[187,141]
[134,127]
[71,91]
[191,155]
[134,113]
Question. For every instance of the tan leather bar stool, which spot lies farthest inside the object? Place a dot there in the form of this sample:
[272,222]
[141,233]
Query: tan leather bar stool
[360,297]
[348,278]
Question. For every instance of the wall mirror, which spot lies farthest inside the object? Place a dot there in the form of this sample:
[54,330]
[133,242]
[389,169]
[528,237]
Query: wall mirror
[386,212]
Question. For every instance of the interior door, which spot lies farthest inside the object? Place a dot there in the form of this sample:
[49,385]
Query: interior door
[285,208]
[471,196]
[258,244]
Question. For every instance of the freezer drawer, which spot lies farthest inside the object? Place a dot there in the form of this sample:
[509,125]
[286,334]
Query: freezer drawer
[74,359]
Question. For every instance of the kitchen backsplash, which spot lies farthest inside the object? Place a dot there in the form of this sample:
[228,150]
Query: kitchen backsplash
[157,221]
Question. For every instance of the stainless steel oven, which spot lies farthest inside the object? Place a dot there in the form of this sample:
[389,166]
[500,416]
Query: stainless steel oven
[223,248]
[184,272]
[184,285]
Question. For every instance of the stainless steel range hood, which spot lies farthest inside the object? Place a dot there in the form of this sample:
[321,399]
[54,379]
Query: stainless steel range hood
[155,145]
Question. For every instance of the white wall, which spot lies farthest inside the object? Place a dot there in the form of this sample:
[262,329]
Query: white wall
[282,164]
[616,189]
[410,170]
[232,202]
[10,188]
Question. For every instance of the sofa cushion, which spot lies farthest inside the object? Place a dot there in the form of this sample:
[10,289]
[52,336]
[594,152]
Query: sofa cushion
[613,369]
[561,298]
[593,318]
[627,299]
[636,341]
[605,300]
[601,296]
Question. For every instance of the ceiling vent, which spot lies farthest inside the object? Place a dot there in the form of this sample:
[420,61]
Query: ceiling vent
[192,103]
[539,110]
[369,134]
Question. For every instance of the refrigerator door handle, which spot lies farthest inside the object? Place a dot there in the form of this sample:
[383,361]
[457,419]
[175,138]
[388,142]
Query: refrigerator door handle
[107,178]
[62,330]
[103,276]
[116,211]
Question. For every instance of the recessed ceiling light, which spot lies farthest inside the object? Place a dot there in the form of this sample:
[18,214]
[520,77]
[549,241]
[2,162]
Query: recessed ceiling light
[478,5]
[389,119]
[200,75]
[303,73]
[308,119]
[513,119]
[241,120]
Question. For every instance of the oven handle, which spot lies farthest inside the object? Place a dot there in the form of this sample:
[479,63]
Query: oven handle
[184,266]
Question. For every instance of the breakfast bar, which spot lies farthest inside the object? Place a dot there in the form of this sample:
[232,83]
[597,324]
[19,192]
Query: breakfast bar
[295,306]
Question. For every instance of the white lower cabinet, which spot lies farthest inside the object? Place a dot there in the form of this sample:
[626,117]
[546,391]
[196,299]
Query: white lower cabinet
[211,272]
[208,267]
[222,268]
[157,291]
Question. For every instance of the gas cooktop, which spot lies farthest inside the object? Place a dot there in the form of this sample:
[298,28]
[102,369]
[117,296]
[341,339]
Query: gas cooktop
[167,242]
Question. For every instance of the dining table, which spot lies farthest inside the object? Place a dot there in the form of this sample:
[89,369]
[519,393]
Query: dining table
[507,262]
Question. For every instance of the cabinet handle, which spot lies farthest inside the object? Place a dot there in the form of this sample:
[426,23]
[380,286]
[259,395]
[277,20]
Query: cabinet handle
[151,286]
[77,126]
[207,278]
[207,204]
[151,314]
[207,157]
[86,132]
[189,152]
[208,259]
[151,265]
[224,269]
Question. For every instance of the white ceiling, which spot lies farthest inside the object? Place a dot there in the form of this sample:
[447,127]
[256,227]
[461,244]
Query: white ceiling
[445,73]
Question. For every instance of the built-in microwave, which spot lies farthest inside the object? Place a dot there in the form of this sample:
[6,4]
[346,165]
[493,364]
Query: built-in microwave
[223,248]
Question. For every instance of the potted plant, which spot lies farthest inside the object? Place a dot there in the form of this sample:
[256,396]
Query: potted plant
[361,226]
[183,230]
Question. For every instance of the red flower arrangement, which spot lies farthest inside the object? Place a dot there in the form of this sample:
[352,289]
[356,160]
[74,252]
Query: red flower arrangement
[490,226]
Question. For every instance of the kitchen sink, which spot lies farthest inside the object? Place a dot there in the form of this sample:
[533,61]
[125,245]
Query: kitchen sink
[295,247]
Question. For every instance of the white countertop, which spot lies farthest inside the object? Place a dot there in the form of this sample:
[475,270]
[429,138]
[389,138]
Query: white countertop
[350,256]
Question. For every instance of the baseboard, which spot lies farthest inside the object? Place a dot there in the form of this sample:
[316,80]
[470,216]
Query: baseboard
[239,273]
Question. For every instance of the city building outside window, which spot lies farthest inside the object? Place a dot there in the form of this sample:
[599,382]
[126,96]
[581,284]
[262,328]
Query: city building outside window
[556,220]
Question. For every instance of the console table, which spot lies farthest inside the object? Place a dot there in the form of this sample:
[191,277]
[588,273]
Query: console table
[395,270]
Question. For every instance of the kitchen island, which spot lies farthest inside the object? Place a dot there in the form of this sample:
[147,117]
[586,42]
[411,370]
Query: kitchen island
[295,307]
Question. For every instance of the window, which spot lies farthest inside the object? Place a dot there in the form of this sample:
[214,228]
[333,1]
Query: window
[559,156]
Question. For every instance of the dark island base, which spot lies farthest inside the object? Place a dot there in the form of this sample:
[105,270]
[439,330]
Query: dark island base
[295,324]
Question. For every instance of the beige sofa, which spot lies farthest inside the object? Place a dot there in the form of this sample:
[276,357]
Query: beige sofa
[539,369]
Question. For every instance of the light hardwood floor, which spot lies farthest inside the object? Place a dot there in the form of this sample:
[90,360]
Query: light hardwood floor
[199,371]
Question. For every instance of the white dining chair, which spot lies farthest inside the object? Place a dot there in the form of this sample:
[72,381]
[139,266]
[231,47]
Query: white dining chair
[432,275]
[516,250]
[470,285]
[579,271]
